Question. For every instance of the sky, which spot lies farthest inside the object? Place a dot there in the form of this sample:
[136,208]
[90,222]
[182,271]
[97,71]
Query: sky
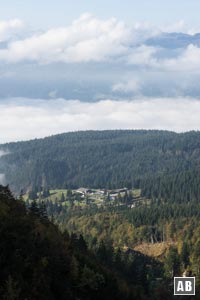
[79,65]
[47,13]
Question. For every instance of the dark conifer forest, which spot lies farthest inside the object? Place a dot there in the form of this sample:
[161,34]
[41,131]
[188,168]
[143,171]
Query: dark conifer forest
[106,159]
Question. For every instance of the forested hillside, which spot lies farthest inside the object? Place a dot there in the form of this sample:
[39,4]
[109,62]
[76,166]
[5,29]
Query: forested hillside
[164,232]
[77,243]
[103,159]
[39,262]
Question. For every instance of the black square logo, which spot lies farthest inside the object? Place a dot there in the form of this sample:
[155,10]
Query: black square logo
[184,286]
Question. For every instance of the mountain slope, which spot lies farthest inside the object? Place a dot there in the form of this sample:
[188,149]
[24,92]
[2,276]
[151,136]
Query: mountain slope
[40,262]
[98,158]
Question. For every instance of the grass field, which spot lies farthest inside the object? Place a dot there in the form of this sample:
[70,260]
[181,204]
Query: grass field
[61,196]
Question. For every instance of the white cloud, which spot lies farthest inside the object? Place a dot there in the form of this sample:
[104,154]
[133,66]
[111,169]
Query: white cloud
[188,60]
[143,56]
[147,56]
[52,94]
[23,119]
[10,28]
[87,39]
[90,39]
[179,26]
[131,86]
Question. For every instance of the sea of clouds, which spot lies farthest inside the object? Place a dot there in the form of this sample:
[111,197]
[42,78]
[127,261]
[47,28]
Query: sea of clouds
[139,85]
[23,119]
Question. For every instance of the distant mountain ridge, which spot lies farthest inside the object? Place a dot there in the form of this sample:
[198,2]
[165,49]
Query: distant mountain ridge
[174,40]
[101,159]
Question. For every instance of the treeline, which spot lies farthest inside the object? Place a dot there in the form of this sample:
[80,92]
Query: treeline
[101,159]
[176,188]
[157,212]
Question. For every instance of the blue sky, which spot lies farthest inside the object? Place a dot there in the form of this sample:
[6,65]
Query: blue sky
[48,13]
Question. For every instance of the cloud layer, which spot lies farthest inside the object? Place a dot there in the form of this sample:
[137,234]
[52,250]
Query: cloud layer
[90,39]
[121,58]
[10,28]
[87,39]
[94,59]
[24,119]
